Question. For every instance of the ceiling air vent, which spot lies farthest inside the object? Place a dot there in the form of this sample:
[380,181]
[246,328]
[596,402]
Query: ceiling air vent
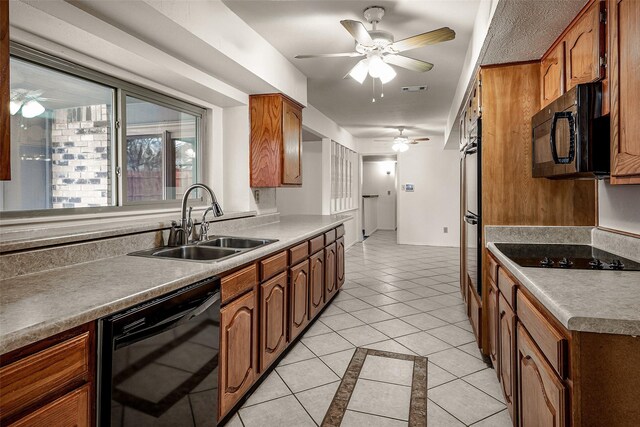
[415,88]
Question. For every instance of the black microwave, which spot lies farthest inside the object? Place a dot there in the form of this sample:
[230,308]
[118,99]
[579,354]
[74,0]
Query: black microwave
[571,136]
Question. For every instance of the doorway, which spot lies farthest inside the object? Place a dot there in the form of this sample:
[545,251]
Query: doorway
[379,193]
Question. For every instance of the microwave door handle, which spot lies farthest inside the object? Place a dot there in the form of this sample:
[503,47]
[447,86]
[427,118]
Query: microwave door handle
[557,116]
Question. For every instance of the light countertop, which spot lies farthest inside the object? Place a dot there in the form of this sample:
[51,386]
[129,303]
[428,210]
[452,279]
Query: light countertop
[39,305]
[581,300]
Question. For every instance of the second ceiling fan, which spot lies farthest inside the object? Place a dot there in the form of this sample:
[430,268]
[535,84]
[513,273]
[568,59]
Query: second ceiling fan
[379,48]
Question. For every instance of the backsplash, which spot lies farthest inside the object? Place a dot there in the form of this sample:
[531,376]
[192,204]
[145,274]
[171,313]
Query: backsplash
[19,263]
[265,203]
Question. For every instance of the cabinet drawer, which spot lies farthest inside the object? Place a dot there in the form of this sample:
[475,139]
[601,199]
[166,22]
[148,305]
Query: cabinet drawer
[238,283]
[493,269]
[35,377]
[298,253]
[340,231]
[550,341]
[71,410]
[330,237]
[316,244]
[507,286]
[273,265]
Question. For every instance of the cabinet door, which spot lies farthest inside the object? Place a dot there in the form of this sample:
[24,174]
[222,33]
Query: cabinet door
[542,396]
[624,81]
[552,75]
[506,353]
[273,319]
[330,287]
[238,350]
[585,47]
[340,262]
[316,283]
[492,323]
[71,410]
[299,298]
[5,116]
[292,140]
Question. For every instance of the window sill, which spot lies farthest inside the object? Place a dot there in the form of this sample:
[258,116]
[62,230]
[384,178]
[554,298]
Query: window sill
[23,234]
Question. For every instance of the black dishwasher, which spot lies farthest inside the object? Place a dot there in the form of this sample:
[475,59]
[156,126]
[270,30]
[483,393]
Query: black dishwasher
[158,362]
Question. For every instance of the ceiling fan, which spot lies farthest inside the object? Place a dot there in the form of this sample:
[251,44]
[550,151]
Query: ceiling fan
[401,142]
[379,48]
[27,101]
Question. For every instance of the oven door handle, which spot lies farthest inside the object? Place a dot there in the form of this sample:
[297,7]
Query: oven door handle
[471,219]
[568,116]
[155,327]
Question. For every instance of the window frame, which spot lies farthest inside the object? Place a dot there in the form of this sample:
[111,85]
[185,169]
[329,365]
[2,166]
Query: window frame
[121,89]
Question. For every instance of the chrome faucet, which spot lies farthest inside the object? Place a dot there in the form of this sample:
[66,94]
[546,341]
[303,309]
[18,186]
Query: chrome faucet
[179,235]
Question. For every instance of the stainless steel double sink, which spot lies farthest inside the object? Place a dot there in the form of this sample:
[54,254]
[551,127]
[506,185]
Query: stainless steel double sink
[214,249]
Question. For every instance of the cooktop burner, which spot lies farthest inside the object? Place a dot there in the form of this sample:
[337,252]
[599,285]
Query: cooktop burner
[581,257]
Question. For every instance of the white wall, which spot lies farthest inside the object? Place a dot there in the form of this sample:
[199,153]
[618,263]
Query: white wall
[619,207]
[376,181]
[306,200]
[435,202]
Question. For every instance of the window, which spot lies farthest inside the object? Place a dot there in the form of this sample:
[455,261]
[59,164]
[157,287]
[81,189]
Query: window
[80,139]
[343,182]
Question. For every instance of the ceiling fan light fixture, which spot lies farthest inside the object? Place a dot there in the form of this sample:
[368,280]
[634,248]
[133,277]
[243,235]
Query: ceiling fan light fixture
[32,109]
[400,146]
[387,73]
[359,72]
[14,107]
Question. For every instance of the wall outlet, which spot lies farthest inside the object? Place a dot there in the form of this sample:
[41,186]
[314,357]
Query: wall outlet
[446,229]
[256,195]
[388,192]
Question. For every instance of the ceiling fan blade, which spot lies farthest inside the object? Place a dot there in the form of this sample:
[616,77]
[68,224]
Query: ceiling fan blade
[358,31]
[420,139]
[432,37]
[330,55]
[408,63]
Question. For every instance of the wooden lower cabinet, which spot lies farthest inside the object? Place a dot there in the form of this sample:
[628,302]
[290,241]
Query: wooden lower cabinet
[506,354]
[492,314]
[475,313]
[238,350]
[340,262]
[71,410]
[298,299]
[316,283]
[330,284]
[273,319]
[542,395]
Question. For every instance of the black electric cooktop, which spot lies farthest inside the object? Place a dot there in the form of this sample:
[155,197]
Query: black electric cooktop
[580,257]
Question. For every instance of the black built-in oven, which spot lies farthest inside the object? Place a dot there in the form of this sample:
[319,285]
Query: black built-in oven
[158,362]
[571,137]
[473,209]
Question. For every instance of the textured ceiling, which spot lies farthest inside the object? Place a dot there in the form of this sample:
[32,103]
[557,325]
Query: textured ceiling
[522,30]
[310,26]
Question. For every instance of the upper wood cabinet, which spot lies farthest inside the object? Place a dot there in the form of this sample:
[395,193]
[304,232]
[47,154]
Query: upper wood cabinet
[624,84]
[276,141]
[585,47]
[5,116]
[238,350]
[552,75]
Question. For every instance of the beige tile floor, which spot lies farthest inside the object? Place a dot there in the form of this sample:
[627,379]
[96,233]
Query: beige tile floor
[397,298]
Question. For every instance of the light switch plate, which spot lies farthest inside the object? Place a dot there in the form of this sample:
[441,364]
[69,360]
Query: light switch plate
[408,187]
